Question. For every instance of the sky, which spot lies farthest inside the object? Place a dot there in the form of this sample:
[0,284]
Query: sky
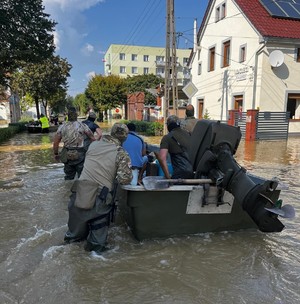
[86,28]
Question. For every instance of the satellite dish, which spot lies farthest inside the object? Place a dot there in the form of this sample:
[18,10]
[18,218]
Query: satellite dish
[276,58]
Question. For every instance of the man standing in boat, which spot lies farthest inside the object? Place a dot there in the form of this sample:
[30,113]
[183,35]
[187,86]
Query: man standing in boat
[91,202]
[72,133]
[190,121]
[176,143]
[45,123]
[135,146]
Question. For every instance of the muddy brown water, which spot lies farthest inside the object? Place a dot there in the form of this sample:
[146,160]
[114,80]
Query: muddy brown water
[229,267]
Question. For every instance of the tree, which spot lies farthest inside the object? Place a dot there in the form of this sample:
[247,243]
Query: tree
[82,103]
[26,35]
[46,81]
[141,83]
[106,92]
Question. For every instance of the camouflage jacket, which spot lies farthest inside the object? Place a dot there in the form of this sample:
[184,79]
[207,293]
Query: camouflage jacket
[73,133]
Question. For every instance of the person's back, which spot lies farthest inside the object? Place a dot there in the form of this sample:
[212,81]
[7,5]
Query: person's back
[176,143]
[134,145]
[190,121]
[136,148]
[90,122]
[72,133]
[45,123]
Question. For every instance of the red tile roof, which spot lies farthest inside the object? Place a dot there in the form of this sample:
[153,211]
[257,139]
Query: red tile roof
[267,25]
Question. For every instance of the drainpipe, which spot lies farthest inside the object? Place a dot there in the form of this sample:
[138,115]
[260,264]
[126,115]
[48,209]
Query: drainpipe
[255,74]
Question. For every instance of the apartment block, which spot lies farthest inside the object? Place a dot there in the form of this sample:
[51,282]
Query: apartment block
[131,60]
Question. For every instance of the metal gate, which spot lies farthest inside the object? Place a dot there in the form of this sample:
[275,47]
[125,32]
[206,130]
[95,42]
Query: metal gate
[270,125]
[240,121]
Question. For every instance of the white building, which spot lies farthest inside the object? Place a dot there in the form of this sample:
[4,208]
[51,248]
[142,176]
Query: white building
[247,56]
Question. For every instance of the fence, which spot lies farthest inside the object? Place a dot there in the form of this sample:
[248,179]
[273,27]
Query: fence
[269,125]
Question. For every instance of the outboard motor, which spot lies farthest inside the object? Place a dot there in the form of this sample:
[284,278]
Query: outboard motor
[211,152]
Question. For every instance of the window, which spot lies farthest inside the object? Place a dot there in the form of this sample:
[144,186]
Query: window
[160,59]
[146,58]
[223,10]
[134,70]
[217,13]
[122,56]
[212,54]
[185,61]
[243,53]
[160,71]
[146,71]
[199,68]
[226,54]
[293,105]
[122,69]
[298,54]
[134,57]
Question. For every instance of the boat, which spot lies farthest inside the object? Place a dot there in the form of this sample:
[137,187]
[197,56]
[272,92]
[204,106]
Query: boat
[222,197]
[35,128]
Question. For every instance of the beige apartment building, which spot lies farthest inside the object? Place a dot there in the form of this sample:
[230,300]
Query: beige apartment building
[132,60]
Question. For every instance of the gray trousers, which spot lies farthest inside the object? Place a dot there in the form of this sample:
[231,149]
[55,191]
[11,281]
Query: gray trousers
[91,224]
[74,166]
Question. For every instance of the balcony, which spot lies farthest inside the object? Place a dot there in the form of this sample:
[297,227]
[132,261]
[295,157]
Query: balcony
[160,63]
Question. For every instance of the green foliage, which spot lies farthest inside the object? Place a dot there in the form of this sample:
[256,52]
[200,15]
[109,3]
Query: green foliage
[25,119]
[7,133]
[26,35]
[141,83]
[26,102]
[206,114]
[45,81]
[82,103]
[106,92]
[155,129]
[148,128]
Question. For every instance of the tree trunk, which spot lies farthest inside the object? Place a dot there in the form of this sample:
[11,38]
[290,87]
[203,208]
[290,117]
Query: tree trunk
[37,107]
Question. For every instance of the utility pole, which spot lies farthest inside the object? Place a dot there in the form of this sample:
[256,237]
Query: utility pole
[171,64]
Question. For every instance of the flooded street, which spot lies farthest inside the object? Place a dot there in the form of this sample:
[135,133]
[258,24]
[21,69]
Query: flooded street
[229,267]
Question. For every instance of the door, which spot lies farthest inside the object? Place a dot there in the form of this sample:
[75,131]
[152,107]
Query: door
[200,108]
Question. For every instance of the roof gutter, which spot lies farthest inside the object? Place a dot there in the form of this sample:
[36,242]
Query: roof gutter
[258,52]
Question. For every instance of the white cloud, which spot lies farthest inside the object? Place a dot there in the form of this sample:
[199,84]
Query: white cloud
[87,49]
[57,40]
[90,75]
[71,23]
[80,5]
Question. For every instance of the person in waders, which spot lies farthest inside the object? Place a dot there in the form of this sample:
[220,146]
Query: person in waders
[72,133]
[92,196]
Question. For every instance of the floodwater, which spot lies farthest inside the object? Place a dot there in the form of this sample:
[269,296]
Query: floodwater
[229,267]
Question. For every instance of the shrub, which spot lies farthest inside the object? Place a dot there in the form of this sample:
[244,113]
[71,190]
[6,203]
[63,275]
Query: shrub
[147,128]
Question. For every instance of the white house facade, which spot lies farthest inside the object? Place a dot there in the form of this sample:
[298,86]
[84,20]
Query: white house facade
[234,65]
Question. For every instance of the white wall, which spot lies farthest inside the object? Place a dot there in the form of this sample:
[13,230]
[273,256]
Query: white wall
[218,87]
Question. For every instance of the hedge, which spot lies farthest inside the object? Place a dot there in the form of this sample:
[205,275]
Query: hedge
[147,128]
[11,130]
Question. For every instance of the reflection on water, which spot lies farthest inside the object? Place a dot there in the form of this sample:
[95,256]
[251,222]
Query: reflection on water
[229,267]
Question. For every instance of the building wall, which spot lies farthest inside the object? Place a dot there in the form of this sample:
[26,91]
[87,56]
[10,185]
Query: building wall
[112,62]
[261,86]
[278,82]
[217,88]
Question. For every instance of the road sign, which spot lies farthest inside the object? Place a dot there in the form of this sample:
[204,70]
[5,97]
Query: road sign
[190,90]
